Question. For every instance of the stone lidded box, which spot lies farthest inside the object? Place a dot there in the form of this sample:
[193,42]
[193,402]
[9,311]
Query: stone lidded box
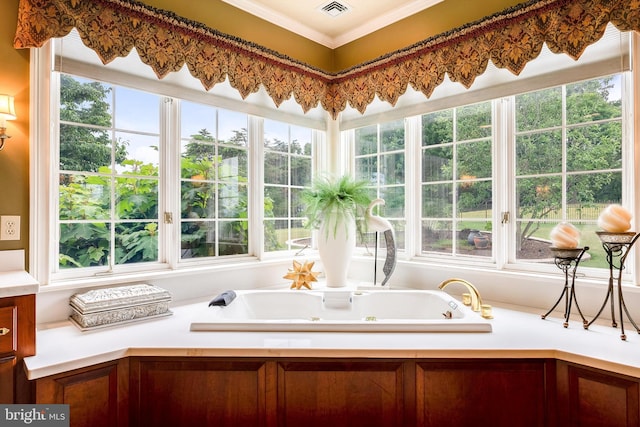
[110,306]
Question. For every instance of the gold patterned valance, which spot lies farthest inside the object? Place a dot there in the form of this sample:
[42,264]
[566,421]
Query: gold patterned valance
[166,42]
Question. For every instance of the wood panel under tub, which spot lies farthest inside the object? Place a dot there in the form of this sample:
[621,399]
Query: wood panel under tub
[307,392]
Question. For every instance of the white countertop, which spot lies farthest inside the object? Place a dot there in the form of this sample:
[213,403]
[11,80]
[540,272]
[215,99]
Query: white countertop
[14,280]
[516,334]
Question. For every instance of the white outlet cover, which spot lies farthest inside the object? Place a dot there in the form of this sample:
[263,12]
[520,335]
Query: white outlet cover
[9,227]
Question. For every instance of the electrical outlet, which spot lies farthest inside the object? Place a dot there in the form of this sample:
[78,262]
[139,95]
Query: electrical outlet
[9,227]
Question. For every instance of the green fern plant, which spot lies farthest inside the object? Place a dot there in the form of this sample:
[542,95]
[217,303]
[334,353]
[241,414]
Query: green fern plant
[336,200]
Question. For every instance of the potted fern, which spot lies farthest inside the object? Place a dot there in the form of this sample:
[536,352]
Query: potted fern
[332,206]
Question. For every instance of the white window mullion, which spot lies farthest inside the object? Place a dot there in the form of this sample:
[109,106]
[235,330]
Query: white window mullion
[112,185]
[255,130]
[564,138]
[169,203]
[43,195]
[631,145]
[503,180]
[413,157]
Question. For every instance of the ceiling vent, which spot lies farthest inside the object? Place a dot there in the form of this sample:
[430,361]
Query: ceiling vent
[335,8]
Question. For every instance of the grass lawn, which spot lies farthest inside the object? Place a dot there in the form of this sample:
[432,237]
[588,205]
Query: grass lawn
[588,236]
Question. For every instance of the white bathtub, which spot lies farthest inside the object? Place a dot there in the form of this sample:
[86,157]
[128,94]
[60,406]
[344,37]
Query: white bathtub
[342,311]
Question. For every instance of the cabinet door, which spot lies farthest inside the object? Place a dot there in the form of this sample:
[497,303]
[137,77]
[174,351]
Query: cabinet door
[8,329]
[17,340]
[337,393]
[7,364]
[197,392]
[481,392]
[589,397]
[97,396]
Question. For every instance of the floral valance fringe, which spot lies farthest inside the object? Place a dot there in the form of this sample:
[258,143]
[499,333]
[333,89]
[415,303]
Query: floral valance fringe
[166,42]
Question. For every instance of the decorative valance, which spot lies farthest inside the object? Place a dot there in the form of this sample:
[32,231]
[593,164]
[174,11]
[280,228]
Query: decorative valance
[166,42]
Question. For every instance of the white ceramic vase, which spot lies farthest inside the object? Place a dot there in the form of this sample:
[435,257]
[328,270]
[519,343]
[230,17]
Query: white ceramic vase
[336,246]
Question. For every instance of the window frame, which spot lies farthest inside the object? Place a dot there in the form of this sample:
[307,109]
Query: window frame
[629,176]
[44,196]
[332,154]
[504,191]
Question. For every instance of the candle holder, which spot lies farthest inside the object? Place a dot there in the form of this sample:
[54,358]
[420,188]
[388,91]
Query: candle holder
[567,260]
[617,246]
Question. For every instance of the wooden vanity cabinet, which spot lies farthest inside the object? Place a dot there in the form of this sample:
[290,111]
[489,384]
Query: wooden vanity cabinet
[337,392]
[269,392]
[17,341]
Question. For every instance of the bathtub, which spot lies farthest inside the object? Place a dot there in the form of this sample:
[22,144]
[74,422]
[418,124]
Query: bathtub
[341,311]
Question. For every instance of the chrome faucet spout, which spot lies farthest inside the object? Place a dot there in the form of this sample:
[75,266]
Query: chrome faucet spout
[476,299]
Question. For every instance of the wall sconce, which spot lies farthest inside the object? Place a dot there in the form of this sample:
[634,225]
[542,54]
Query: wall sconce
[7,112]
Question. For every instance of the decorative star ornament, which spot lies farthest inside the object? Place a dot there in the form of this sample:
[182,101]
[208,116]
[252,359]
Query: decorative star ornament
[302,275]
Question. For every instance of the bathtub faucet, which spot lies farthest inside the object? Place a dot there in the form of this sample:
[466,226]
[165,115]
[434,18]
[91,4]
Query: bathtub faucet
[476,299]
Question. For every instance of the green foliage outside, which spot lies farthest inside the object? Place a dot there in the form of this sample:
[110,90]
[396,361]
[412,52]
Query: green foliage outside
[593,152]
[287,171]
[457,153]
[214,194]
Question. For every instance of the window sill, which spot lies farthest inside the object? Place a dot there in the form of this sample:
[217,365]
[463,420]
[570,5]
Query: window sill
[168,273]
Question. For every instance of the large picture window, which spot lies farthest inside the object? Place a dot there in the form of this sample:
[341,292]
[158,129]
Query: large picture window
[493,178]
[144,181]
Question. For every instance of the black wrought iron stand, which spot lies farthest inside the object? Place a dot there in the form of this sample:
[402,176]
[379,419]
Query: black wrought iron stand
[617,246]
[567,260]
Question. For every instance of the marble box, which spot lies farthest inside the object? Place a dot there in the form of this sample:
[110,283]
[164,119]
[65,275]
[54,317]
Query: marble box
[98,308]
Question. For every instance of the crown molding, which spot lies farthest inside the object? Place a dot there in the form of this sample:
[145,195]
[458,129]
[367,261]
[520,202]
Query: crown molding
[319,37]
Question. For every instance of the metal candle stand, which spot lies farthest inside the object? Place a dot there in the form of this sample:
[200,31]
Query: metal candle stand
[616,245]
[567,260]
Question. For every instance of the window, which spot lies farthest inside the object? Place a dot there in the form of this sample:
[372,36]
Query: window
[287,170]
[493,178]
[214,194]
[145,181]
[108,175]
[569,163]
[168,176]
[457,181]
[380,160]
